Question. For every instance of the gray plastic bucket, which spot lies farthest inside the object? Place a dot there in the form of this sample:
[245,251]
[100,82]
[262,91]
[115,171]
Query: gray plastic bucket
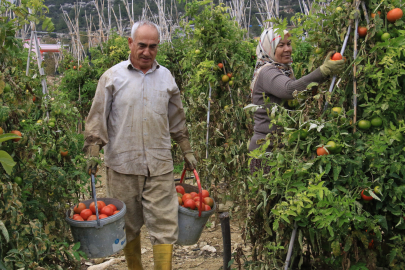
[191,225]
[103,241]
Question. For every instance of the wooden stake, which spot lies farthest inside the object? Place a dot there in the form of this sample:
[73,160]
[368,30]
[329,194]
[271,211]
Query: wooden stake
[363,5]
[208,122]
[354,70]
[290,247]
[109,17]
[131,18]
[226,239]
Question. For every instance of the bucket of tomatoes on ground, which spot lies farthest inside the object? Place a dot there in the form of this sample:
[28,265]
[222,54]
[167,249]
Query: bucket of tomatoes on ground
[195,208]
[99,225]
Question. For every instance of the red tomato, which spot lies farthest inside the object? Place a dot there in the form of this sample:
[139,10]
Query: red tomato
[116,212]
[186,196]
[16,132]
[75,215]
[114,208]
[189,203]
[78,208]
[373,14]
[78,218]
[205,193]
[209,201]
[371,244]
[106,210]
[362,31]
[193,194]
[100,205]
[336,56]
[180,189]
[207,208]
[202,206]
[394,14]
[320,151]
[92,217]
[102,216]
[86,213]
[220,65]
[365,197]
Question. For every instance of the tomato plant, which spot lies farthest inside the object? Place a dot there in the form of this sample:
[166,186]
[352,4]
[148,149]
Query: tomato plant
[36,185]
[322,193]
[219,77]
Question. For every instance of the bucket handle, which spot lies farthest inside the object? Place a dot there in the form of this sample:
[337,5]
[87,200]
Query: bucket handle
[93,188]
[199,187]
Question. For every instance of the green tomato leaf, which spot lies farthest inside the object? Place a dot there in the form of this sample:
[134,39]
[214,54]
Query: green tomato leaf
[76,246]
[372,194]
[291,213]
[7,161]
[8,136]
[2,267]
[4,231]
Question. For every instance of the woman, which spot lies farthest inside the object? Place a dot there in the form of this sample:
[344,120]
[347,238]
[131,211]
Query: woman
[274,77]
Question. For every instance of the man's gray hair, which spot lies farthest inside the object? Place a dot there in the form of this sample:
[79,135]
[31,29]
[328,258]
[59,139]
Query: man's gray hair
[140,23]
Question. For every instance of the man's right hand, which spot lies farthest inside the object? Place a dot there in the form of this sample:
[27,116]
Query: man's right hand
[91,166]
[93,153]
[190,162]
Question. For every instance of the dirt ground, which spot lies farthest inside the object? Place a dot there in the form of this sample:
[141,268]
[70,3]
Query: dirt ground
[206,254]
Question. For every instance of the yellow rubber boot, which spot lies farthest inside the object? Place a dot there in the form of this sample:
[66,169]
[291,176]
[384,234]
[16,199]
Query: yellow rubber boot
[162,256]
[132,253]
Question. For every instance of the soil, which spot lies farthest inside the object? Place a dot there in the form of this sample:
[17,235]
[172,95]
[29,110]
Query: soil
[206,254]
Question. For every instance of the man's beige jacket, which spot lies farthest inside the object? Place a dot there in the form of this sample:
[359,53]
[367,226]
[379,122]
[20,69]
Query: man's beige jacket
[133,116]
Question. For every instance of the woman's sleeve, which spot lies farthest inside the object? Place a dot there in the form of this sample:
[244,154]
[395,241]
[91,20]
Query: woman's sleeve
[274,82]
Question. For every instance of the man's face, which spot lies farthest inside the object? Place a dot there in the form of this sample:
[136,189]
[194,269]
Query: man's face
[144,47]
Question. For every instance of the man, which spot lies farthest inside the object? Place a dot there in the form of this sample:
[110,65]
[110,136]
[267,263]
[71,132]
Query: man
[135,111]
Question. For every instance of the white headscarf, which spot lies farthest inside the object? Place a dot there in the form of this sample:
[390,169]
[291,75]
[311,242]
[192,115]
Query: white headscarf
[265,52]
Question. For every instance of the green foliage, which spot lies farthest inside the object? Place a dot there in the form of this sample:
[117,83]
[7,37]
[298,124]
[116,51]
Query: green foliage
[359,266]
[37,185]
[178,167]
[319,193]
[195,53]
[301,54]
[5,159]
[322,194]
[80,79]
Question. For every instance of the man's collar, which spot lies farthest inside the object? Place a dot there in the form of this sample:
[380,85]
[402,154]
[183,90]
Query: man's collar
[155,65]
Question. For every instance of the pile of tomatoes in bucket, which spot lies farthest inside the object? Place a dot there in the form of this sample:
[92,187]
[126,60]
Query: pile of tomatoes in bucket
[82,213]
[192,200]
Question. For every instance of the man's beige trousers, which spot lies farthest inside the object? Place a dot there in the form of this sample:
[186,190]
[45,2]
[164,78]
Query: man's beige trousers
[149,200]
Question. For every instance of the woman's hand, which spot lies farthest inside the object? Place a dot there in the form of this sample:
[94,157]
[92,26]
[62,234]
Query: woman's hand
[332,67]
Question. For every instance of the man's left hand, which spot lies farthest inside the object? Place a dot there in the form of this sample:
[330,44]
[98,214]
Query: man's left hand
[191,162]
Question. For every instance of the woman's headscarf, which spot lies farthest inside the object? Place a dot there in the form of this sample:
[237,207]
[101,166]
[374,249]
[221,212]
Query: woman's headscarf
[265,52]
